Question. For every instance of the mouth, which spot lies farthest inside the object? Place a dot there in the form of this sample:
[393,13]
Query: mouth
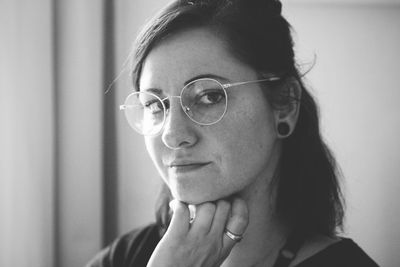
[187,167]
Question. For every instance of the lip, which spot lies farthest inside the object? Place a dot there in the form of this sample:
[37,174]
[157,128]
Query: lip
[187,166]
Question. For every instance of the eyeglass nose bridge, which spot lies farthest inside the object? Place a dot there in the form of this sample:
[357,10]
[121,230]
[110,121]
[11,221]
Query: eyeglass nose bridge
[186,109]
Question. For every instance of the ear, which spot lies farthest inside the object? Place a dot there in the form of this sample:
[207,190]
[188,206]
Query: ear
[287,113]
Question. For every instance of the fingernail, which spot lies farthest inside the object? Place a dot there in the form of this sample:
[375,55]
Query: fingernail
[172,204]
[192,212]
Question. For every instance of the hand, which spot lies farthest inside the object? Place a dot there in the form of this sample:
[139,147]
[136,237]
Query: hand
[203,242]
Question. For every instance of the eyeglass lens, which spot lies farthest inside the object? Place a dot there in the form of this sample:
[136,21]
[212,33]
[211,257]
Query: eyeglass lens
[204,101]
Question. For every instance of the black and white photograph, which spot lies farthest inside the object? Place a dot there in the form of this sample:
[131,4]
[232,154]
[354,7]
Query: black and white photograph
[199,133]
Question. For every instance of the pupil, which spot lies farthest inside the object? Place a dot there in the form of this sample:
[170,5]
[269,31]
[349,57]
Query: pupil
[214,97]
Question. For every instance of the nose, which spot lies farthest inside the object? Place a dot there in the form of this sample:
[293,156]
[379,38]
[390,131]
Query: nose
[179,131]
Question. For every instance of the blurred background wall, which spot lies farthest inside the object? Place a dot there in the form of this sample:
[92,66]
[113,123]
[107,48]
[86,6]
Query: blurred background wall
[73,175]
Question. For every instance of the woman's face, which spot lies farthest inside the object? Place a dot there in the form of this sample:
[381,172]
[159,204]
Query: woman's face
[205,163]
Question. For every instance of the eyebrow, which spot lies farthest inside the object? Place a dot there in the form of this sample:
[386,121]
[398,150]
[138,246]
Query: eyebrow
[158,91]
[208,75]
[155,91]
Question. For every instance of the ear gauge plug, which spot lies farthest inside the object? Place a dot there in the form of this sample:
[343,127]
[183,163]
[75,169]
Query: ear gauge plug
[283,129]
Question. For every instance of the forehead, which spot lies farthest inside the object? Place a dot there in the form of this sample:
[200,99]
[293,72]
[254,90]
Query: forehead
[188,54]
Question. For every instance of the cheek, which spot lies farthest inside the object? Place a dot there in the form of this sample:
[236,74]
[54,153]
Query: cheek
[249,144]
[154,149]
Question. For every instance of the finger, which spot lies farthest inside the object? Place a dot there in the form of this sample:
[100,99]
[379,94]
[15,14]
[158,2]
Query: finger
[180,218]
[220,218]
[237,223]
[192,210]
[204,217]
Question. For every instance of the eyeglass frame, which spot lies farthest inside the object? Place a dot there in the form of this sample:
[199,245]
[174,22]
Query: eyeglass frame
[224,86]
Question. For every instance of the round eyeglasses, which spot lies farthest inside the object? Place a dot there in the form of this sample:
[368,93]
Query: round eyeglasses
[204,101]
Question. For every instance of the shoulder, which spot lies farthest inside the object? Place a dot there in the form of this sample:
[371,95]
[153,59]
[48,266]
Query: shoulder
[131,249]
[344,252]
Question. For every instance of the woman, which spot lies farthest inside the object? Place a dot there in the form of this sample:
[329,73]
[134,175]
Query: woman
[234,134]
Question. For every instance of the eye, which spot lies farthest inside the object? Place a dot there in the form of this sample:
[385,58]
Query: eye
[153,106]
[210,97]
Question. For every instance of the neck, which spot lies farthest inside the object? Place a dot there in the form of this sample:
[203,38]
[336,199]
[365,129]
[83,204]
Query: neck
[265,234]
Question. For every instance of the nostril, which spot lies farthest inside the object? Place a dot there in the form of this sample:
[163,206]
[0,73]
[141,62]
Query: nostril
[183,144]
[179,133]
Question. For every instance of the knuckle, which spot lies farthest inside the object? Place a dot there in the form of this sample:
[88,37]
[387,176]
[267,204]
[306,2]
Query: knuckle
[240,220]
[223,204]
[209,207]
[239,207]
[180,210]
[223,207]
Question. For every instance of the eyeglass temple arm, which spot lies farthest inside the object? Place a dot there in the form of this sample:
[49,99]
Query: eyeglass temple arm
[123,107]
[270,79]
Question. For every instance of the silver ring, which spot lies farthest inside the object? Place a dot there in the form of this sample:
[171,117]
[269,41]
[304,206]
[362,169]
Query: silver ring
[233,236]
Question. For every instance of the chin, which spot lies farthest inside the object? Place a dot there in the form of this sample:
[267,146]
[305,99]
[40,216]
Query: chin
[196,198]
[192,199]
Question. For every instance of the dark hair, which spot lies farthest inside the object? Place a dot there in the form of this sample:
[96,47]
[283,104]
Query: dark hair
[308,191]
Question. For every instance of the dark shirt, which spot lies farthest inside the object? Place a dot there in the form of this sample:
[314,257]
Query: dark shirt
[135,248]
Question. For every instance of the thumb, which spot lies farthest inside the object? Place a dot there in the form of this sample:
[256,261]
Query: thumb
[180,218]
